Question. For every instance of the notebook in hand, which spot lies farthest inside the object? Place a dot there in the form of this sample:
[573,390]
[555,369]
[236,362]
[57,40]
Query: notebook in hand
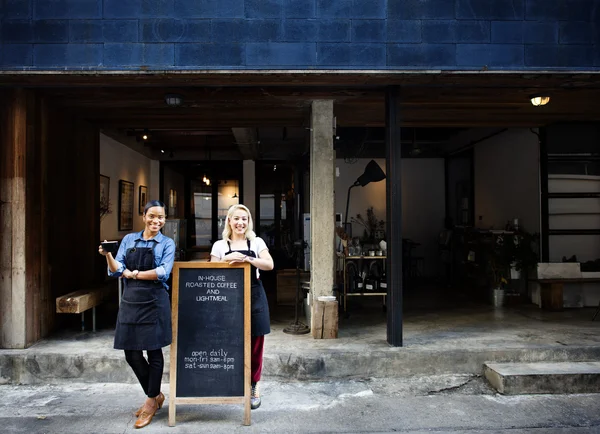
[110,246]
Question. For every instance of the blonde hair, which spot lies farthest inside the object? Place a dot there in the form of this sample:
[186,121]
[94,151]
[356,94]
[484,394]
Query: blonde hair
[249,234]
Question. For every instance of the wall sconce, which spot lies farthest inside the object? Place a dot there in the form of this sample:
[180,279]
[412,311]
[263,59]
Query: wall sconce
[173,100]
[539,100]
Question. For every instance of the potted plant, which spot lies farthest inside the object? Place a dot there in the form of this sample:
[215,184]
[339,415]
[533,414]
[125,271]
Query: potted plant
[499,265]
[371,225]
[510,253]
[524,253]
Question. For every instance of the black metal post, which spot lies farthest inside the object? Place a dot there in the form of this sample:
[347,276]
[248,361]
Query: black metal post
[544,211]
[393,151]
[347,204]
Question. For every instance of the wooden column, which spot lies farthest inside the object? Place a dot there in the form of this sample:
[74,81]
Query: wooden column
[13,240]
[394,217]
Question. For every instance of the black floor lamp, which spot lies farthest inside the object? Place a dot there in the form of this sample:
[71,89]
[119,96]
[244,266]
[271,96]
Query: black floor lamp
[372,173]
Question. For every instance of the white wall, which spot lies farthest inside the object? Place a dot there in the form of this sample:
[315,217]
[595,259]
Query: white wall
[423,202]
[117,161]
[507,180]
[361,198]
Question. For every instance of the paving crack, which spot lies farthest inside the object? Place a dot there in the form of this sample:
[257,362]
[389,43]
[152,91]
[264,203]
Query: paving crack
[452,388]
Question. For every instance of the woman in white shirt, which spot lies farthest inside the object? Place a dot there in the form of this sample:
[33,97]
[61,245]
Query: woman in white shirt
[240,244]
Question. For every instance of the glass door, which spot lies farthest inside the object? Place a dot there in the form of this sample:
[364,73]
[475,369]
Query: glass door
[202,211]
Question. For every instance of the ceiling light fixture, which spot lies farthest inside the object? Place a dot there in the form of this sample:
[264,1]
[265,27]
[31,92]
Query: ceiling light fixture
[146,135]
[539,100]
[173,100]
[416,150]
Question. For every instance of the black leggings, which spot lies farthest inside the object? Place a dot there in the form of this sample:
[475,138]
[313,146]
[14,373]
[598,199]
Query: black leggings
[149,373]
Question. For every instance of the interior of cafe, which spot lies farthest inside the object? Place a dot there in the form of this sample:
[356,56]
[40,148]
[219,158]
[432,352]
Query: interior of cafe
[467,195]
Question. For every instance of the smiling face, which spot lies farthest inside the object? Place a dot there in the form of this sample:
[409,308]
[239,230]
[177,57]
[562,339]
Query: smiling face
[238,222]
[154,219]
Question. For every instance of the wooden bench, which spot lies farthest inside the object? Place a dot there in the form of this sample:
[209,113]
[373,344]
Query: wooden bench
[82,300]
[552,291]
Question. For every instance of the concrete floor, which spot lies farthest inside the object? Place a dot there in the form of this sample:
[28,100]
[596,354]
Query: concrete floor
[448,338]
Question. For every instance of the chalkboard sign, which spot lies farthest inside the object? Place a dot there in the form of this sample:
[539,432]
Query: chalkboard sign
[210,353]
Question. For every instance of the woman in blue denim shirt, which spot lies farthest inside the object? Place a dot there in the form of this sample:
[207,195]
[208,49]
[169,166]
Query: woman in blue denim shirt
[144,261]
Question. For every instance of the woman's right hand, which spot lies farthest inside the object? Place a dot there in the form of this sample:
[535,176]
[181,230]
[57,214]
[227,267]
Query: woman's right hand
[101,250]
[234,257]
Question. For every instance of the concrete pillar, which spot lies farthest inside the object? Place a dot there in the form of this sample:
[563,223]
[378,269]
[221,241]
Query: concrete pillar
[249,181]
[322,199]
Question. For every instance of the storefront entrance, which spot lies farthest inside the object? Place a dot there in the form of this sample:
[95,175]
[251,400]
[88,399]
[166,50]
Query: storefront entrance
[165,133]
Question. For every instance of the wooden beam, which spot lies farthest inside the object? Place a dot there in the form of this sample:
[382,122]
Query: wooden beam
[82,300]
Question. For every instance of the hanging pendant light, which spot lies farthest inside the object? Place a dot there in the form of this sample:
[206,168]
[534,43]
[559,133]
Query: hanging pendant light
[235,195]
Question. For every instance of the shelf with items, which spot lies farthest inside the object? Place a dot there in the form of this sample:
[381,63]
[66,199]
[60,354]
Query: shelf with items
[369,280]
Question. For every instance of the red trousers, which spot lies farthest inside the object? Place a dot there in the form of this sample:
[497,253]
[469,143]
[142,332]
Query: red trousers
[256,358]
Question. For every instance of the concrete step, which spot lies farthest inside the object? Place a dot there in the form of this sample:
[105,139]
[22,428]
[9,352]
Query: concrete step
[534,378]
[68,362]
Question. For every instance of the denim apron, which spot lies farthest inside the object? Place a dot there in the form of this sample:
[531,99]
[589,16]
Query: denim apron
[259,306]
[144,319]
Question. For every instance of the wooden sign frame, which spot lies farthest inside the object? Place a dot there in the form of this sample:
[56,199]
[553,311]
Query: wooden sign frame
[173,399]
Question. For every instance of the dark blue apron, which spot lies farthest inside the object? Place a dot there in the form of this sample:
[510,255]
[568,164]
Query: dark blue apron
[144,319]
[259,306]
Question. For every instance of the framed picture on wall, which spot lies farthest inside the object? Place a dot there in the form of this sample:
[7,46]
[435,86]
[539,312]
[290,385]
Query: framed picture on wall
[142,198]
[125,205]
[104,196]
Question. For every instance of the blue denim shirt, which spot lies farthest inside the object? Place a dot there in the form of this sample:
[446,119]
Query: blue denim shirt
[164,254]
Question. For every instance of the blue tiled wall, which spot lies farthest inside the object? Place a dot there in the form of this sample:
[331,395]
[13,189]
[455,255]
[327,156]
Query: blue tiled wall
[300,34]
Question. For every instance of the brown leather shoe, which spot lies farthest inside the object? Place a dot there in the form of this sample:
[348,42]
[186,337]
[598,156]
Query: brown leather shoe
[160,399]
[145,417]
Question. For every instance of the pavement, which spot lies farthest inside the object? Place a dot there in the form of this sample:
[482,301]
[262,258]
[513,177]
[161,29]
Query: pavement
[76,382]
[433,404]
